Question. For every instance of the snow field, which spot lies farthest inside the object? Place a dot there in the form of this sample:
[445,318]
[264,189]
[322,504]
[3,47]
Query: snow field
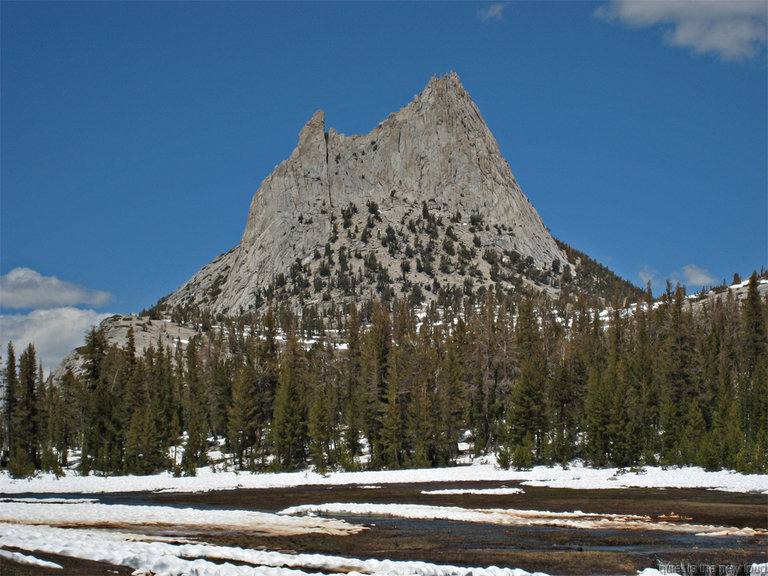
[573,476]
[168,559]
[510,517]
[96,514]
[45,524]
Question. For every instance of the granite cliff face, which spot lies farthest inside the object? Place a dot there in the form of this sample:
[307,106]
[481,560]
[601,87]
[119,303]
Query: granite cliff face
[427,193]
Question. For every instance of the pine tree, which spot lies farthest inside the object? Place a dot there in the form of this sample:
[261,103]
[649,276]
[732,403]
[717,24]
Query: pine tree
[563,402]
[25,454]
[597,414]
[399,384]
[289,422]
[625,449]
[219,383]
[143,444]
[754,347]
[527,417]
[376,345]
[754,331]
[758,410]
[679,374]
[391,444]
[10,399]
[452,394]
[73,402]
[323,431]
[641,362]
[51,424]
[486,404]
[103,427]
[194,449]
[166,395]
[422,421]
[351,398]
[242,414]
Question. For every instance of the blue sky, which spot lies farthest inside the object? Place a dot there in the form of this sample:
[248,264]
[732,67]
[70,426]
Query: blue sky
[134,135]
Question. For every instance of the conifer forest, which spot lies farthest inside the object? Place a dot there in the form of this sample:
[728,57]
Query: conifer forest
[669,381]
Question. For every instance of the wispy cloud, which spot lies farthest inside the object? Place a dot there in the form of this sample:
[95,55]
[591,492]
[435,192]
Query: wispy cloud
[26,288]
[696,276]
[54,333]
[648,274]
[493,12]
[731,29]
[691,275]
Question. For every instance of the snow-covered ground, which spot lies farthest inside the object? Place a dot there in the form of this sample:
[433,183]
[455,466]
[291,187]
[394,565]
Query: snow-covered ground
[573,476]
[122,534]
[475,491]
[121,516]
[176,558]
[509,517]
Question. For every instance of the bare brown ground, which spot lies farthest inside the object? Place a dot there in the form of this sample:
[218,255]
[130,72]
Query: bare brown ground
[556,551]
[69,566]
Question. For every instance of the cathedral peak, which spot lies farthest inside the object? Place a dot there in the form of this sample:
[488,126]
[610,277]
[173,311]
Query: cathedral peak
[425,202]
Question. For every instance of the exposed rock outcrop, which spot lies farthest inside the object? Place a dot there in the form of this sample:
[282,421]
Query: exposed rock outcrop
[436,154]
[146,333]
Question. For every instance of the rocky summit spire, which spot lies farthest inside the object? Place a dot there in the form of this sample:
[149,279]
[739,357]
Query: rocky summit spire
[391,194]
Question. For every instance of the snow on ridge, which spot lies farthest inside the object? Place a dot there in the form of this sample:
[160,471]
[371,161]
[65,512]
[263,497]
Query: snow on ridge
[573,476]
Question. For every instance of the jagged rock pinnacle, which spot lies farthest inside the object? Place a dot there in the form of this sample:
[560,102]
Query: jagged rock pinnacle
[436,152]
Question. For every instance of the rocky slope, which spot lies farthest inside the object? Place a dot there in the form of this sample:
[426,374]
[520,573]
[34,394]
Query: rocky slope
[423,205]
[146,332]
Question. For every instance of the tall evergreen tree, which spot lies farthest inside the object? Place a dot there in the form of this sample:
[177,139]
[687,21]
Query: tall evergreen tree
[323,415]
[376,345]
[527,415]
[289,422]
[25,451]
[242,421]
[73,402]
[754,346]
[754,331]
[352,401]
[422,421]
[195,447]
[102,448]
[10,399]
[679,374]
[452,392]
[51,424]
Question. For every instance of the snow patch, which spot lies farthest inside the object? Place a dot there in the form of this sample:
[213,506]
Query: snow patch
[28,560]
[511,517]
[482,469]
[163,558]
[116,515]
[479,491]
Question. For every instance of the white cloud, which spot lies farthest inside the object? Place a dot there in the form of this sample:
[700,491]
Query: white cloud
[648,274]
[54,332]
[692,276]
[493,12]
[697,276]
[26,288]
[732,29]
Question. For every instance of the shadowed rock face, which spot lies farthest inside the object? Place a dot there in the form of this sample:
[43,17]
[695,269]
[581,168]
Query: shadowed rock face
[437,150]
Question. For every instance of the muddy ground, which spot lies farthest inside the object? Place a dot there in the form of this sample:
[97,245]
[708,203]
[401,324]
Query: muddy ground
[557,551]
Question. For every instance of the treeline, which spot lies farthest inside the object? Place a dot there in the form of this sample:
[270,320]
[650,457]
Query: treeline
[669,383]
